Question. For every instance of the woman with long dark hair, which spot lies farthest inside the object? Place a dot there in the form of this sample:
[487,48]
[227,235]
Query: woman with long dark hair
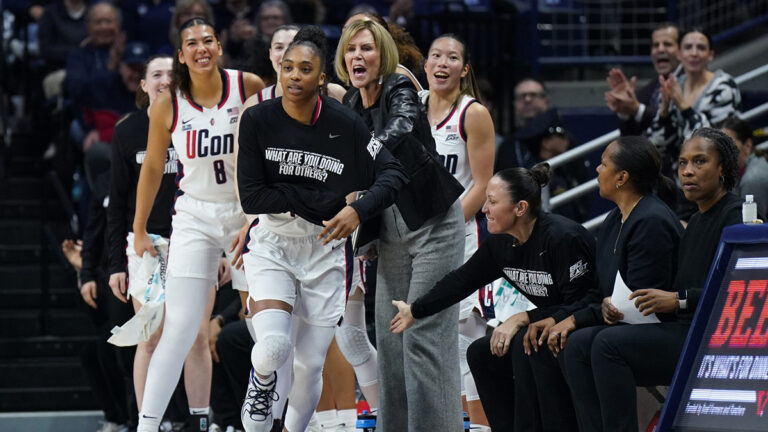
[199,116]
[464,136]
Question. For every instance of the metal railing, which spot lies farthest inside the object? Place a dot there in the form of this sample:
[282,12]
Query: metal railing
[589,32]
[603,140]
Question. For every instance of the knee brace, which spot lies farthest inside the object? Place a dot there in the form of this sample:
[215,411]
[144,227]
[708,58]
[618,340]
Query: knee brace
[464,342]
[273,345]
[353,343]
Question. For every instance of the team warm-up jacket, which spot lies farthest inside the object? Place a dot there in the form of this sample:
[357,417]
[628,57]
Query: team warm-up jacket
[555,267]
[287,166]
[129,145]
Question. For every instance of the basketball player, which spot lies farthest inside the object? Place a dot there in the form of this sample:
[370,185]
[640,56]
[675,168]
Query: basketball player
[128,150]
[463,133]
[298,157]
[199,115]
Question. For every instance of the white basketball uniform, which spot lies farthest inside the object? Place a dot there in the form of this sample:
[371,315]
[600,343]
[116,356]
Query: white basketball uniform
[451,142]
[206,213]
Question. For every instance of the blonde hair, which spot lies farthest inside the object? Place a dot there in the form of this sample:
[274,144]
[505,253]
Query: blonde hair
[384,43]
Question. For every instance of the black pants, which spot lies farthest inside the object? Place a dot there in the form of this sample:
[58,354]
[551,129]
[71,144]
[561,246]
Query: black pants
[495,381]
[108,373]
[603,366]
[543,401]
[230,376]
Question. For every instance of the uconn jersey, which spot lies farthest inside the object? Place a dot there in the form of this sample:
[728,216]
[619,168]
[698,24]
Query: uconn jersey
[451,141]
[204,139]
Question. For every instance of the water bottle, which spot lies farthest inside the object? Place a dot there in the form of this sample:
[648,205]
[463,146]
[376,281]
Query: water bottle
[366,422]
[749,210]
[466,421]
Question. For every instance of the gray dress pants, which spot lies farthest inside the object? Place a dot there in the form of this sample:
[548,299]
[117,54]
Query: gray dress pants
[418,370]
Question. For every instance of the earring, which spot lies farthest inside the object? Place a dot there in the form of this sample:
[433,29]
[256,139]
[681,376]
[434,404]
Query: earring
[722,179]
[381,79]
[617,186]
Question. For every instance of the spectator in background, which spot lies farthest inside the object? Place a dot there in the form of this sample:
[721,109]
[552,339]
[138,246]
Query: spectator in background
[540,135]
[636,108]
[696,99]
[108,96]
[62,27]
[530,100]
[184,11]
[753,168]
[272,14]
[235,18]
[148,21]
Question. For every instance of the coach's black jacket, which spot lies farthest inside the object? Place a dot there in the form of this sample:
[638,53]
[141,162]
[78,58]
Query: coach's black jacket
[400,123]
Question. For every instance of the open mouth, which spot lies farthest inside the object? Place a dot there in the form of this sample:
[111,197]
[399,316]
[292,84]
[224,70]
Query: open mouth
[358,71]
[441,76]
[292,89]
[203,61]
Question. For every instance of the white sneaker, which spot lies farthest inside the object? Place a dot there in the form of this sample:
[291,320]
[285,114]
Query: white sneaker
[257,407]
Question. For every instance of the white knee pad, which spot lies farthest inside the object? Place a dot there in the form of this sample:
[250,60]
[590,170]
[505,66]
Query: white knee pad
[464,342]
[273,344]
[353,343]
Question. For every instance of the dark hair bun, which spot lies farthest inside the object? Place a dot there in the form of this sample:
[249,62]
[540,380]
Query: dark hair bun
[314,35]
[541,173]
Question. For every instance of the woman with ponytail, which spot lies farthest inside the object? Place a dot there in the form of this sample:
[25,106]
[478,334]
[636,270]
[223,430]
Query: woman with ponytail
[298,157]
[637,242]
[464,136]
[199,115]
[547,257]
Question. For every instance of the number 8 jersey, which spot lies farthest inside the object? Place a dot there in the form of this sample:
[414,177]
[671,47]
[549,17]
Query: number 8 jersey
[204,139]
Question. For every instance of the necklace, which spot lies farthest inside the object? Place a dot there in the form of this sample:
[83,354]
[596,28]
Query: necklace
[616,243]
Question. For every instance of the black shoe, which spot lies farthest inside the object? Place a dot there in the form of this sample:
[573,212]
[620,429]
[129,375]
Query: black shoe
[197,423]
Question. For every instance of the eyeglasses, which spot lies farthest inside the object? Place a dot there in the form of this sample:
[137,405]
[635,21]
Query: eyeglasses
[555,130]
[531,95]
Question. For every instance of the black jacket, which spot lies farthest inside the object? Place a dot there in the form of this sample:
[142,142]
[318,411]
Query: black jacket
[400,124]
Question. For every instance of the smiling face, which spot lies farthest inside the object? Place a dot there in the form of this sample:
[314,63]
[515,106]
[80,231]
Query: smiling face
[103,25]
[664,50]
[445,64]
[280,41]
[362,59]
[158,77]
[200,50]
[499,209]
[301,74]
[699,170]
[695,52]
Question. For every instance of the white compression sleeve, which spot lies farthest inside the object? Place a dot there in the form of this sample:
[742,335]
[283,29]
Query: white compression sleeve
[185,301]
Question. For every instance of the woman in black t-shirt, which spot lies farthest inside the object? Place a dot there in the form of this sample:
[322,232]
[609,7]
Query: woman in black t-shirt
[298,157]
[624,357]
[549,259]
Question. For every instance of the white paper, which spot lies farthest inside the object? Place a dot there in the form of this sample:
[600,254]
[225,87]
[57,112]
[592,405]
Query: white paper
[508,301]
[621,301]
